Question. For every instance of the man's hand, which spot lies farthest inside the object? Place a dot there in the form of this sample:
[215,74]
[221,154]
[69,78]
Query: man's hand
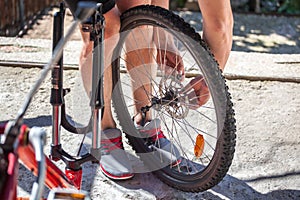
[170,63]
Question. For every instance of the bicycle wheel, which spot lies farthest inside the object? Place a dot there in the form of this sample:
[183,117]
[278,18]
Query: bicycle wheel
[205,135]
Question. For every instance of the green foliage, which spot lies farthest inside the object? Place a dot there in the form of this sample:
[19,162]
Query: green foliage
[268,6]
[281,6]
[180,3]
[290,7]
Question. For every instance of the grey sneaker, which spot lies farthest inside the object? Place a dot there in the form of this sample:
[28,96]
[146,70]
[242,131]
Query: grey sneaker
[160,145]
[114,162]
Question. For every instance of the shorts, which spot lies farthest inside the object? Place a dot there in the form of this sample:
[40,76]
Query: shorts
[107,4]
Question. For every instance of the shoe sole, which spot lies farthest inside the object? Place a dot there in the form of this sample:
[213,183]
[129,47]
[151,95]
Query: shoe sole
[114,177]
[176,163]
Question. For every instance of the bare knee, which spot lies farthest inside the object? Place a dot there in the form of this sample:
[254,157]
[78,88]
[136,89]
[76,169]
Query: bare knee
[124,5]
[113,23]
[111,31]
[217,17]
[222,26]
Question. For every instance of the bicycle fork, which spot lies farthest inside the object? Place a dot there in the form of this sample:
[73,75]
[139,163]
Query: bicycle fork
[73,164]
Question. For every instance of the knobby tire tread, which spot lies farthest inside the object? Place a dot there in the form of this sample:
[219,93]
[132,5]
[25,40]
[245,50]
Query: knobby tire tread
[227,139]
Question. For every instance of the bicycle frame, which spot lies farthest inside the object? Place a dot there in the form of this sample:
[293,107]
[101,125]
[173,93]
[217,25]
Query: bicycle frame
[73,165]
[17,133]
[8,191]
[9,158]
[73,172]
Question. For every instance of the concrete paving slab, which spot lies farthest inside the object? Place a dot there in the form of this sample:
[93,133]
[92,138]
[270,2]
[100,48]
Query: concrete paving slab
[240,64]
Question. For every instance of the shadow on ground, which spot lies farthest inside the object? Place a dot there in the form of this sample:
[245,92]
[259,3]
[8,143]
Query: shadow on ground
[259,33]
[147,184]
[230,187]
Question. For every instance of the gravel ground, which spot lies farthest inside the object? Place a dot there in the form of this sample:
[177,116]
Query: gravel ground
[266,163]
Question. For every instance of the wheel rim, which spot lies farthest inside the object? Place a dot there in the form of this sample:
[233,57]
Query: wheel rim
[180,124]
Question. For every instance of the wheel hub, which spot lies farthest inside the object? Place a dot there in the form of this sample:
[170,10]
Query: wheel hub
[172,99]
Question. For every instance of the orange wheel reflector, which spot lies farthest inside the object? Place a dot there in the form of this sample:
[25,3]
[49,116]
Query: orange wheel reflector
[199,146]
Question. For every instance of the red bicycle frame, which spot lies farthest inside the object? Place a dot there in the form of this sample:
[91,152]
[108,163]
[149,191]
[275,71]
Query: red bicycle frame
[9,190]
[17,146]
[55,178]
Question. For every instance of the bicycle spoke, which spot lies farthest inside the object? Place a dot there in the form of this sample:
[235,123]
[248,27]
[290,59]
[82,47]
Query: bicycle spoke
[191,129]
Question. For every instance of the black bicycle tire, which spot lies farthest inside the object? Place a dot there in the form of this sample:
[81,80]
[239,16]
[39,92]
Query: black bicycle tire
[223,156]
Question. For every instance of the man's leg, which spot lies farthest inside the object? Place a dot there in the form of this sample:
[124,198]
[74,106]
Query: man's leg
[163,4]
[217,28]
[141,64]
[85,66]
[138,57]
[114,162]
[144,55]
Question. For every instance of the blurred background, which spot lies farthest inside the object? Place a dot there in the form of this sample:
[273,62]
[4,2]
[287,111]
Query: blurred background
[254,6]
[18,15]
